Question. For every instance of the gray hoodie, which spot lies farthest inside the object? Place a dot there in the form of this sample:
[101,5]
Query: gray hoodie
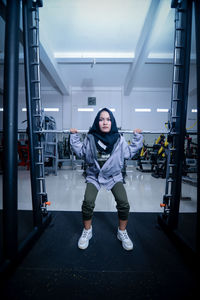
[110,173]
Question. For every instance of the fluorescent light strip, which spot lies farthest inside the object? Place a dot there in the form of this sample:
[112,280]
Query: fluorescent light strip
[142,109]
[85,109]
[94,54]
[162,109]
[194,110]
[45,109]
[160,55]
[1,108]
[51,109]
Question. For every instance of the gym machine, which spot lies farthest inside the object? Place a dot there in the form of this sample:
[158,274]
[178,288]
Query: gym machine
[177,123]
[158,157]
[49,144]
[13,251]
[155,157]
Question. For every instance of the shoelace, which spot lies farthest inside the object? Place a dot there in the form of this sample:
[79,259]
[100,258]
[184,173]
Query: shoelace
[85,234]
[125,235]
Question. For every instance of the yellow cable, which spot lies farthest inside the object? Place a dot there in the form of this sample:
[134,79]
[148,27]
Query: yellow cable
[158,139]
[191,126]
[166,143]
[160,150]
[142,151]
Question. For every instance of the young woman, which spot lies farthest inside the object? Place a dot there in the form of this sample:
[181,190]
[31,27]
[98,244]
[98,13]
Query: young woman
[104,151]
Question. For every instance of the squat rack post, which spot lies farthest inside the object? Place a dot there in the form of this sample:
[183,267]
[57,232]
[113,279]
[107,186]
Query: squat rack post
[169,220]
[28,38]
[13,251]
[10,125]
[197,26]
[186,21]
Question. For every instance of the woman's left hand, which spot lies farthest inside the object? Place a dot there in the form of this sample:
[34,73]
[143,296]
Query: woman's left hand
[137,130]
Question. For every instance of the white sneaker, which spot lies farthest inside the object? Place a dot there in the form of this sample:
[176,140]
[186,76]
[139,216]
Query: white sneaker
[122,235]
[86,235]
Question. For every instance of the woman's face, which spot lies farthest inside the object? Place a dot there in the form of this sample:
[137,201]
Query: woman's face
[105,122]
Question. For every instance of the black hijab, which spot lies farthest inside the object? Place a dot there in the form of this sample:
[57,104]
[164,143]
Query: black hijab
[107,138]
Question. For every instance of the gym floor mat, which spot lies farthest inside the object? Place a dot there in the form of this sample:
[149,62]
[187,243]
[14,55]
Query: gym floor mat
[56,268]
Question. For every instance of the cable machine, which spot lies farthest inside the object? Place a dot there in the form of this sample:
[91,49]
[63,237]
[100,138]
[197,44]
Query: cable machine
[12,250]
[177,120]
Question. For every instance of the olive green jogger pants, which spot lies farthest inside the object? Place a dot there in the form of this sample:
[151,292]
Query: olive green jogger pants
[119,194]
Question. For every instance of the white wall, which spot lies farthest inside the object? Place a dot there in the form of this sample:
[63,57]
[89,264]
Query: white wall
[111,97]
[105,97]
[67,112]
[49,99]
[125,115]
[192,100]
[146,98]
[53,99]
[191,123]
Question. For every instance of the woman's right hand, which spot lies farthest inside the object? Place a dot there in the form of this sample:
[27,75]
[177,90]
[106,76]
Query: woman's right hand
[137,130]
[73,130]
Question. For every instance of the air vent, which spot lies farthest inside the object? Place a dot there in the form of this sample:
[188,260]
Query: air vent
[91,100]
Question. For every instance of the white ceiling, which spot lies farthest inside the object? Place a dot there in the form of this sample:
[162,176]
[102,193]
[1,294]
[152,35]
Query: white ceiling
[93,25]
[123,43]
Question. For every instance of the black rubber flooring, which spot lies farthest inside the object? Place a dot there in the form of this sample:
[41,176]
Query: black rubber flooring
[56,269]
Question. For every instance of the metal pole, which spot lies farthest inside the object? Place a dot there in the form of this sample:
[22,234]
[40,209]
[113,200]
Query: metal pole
[27,23]
[10,124]
[197,25]
[186,8]
[86,131]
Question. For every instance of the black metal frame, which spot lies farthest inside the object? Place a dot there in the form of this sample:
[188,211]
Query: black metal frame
[33,138]
[169,221]
[180,124]
[13,252]
[10,125]
[197,25]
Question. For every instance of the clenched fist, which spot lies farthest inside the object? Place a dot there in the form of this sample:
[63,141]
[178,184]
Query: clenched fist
[137,130]
[73,130]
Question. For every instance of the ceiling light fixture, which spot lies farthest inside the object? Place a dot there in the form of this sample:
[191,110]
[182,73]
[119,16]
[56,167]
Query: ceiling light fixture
[94,55]
[51,109]
[162,110]
[163,55]
[142,109]
[85,109]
